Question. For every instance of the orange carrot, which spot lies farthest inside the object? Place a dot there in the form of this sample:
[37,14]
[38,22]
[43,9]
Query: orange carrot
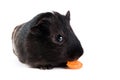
[74,64]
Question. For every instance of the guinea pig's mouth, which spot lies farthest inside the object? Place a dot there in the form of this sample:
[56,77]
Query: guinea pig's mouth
[73,58]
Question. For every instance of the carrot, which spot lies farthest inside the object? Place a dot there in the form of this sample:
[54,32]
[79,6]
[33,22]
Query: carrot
[74,64]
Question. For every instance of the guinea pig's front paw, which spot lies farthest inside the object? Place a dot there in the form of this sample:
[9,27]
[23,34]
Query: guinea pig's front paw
[44,66]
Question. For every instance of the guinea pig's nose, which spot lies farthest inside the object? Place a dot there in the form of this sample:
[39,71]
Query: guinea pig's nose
[78,54]
[75,53]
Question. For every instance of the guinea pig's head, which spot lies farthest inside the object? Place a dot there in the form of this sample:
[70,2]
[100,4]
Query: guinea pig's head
[53,38]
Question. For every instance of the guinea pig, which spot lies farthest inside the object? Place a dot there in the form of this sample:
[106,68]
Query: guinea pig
[46,41]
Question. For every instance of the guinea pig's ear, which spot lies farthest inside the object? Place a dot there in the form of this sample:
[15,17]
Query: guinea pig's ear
[42,26]
[68,15]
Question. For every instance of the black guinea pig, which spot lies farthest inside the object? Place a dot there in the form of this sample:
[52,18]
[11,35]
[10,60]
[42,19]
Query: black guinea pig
[46,41]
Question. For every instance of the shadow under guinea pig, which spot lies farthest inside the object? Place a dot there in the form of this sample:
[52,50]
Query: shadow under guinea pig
[46,41]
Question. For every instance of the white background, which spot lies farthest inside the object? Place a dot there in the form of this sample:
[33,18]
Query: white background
[95,22]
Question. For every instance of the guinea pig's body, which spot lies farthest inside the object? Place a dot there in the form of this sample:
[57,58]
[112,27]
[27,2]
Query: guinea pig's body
[46,41]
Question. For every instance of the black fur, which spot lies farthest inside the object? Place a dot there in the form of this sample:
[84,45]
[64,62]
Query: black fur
[46,41]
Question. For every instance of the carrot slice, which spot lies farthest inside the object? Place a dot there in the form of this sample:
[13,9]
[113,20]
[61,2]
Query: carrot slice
[74,64]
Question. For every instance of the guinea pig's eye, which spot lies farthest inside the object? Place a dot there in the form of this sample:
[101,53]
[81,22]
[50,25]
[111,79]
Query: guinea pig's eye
[59,38]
